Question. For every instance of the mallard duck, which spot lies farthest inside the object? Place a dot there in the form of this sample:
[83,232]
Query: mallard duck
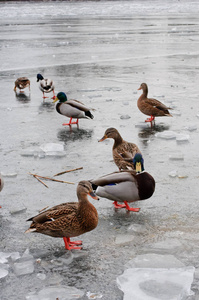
[126,186]
[72,109]
[151,107]
[21,83]
[1,183]
[68,219]
[123,152]
[46,85]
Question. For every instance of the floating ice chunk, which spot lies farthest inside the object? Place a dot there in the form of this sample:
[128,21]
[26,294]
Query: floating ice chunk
[191,127]
[41,276]
[29,152]
[152,260]
[142,125]
[24,267]
[94,295]
[136,228]
[4,256]
[18,209]
[177,156]
[181,138]
[123,239]
[173,173]
[3,273]
[53,149]
[125,117]
[9,174]
[52,293]
[156,283]
[167,135]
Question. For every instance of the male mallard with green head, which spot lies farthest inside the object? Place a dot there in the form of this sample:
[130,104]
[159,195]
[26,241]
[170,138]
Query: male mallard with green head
[46,85]
[72,109]
[126,186]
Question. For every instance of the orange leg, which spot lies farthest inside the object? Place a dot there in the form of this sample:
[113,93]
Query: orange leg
[116,205]
[70,122]
[53,95]
[150,119]
[70,245]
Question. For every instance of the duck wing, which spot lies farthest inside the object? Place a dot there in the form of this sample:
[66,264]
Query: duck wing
[55,212]
[157,104]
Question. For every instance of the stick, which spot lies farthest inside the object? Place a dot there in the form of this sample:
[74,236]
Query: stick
[68,171]
[40,181]
[43,208]
[48,178]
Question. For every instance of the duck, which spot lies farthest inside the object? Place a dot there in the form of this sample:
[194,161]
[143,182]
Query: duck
[72,109]
[151,107]
[70,219]
[21,83]
[126,186]
[46,85]
[1,183]
[123,152]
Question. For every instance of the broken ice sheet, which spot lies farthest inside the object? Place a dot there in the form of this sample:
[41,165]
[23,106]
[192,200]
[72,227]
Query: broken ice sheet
[53,149]
[94,295]
[181,138]
[3,273]
[167,135]
[156,283]
[60,292]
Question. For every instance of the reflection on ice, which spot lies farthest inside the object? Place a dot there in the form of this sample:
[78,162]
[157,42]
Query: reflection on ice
[156,283]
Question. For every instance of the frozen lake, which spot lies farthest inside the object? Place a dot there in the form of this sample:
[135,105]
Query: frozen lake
[100,53]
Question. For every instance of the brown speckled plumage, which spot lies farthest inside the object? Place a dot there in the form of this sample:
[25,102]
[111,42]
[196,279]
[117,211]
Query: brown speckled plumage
[151,107]
[68,219]
[123,151]
[21,83]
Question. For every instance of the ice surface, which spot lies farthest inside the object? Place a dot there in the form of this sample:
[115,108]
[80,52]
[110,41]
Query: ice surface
[5,256]
[25,264]
[176,156]
[173,173]
[52,293]
[156,283]
[3,273]
[125,117]
[154,260]
[53,149]
[94,295]
[123,239]
[191,127]
[167,135]
[181,138]
[142,125]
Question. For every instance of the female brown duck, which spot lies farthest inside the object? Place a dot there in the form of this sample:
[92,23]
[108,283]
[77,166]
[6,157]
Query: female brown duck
[123,151]
[68,219]
[151,107]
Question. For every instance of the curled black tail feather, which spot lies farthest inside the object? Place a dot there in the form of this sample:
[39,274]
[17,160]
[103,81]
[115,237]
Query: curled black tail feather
[89,114]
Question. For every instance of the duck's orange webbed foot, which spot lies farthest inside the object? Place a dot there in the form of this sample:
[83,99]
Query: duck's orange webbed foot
[131,208]
[151,119]
[116,205]
[70,245]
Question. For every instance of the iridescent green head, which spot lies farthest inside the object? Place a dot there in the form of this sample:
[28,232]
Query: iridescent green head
[61,96]
[138,162]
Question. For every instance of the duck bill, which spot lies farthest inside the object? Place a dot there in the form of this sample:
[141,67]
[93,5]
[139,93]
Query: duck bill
[56,99]
[92,194]
[140,88]
[138,167]
[103,138]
